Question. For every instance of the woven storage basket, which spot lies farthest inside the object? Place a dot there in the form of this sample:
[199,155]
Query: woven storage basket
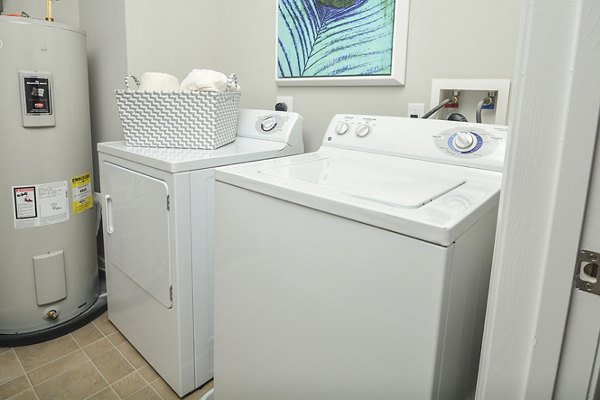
[183,120]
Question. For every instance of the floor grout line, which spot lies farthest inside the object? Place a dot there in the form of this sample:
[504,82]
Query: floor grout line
[84,345]
[101,390]
[156,391]
[48,363]
[100,372]
[88,358]
[43,365]
[68,370]
[26,376]
[22,391]
[116,347]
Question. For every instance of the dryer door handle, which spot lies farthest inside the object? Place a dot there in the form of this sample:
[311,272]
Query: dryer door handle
[109,214]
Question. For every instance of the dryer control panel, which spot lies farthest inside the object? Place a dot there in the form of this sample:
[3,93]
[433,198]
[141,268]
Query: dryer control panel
[461,143]
[277,126]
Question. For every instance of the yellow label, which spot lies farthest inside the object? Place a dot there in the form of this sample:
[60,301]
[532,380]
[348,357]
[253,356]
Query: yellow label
[81,187]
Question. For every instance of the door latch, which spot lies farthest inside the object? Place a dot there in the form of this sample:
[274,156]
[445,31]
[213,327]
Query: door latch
[588,271]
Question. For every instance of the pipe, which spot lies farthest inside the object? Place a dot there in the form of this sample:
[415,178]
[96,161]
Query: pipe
[486,101]
[49,11]
[478,111]
[452,99]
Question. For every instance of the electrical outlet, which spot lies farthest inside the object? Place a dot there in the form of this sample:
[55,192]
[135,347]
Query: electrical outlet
[416,110]
[288,100]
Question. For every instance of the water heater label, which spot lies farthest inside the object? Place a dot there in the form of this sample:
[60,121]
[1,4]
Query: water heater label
[37,95]
[41,204]
[81,188]
[25,202]
[37,108]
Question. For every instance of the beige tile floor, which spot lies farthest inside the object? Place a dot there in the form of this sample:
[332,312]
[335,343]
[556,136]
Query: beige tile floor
[95,362]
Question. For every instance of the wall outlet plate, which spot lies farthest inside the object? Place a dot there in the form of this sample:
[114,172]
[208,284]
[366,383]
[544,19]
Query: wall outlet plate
[288,100]
[415,110]
[471,91]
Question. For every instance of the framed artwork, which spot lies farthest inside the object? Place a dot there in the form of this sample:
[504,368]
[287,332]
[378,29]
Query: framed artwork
[341,42]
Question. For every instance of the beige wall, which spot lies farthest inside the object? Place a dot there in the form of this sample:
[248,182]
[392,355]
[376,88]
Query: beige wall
[172,36]
[135,36]
[107,65]
[465,39]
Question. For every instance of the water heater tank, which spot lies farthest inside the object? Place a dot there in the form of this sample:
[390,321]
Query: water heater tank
[48,268]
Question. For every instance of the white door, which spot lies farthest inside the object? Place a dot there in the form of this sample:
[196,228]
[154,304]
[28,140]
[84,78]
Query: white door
[535,320]
[137,229]
[578,369]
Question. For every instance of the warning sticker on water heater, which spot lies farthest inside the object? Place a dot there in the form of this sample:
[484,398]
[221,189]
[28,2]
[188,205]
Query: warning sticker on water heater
[25,202]
[81,187]
[40,205]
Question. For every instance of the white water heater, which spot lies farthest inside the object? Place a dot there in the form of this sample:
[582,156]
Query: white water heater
[48,267]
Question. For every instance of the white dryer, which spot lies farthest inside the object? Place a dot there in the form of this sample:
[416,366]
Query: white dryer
[359,271]
[158,236]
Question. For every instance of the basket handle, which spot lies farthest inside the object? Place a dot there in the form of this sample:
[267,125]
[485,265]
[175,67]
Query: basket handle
[135,79]
[232,83]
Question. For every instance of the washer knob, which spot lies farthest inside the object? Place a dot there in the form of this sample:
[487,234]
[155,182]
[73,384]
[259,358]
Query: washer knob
[268,124]
[363,130]
[464,140]
[342,128]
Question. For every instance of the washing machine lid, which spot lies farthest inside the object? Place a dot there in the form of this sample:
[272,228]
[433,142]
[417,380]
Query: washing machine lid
[181,160]
[430,201]
[364,180]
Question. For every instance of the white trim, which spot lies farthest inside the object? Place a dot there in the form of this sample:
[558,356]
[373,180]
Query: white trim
[550,150]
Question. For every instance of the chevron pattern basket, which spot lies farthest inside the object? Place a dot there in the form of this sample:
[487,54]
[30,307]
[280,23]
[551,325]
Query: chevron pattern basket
[183,120]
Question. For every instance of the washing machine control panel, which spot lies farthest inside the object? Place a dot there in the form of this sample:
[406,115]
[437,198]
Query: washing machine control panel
[471,142]
[476,145]
[355,127]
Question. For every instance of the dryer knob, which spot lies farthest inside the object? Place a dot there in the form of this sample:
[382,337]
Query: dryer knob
[268,124]
[363,130]
[341,128]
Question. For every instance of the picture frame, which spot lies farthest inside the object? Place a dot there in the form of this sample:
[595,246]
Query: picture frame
[341,42]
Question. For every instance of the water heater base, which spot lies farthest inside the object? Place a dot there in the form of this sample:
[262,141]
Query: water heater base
[43,335]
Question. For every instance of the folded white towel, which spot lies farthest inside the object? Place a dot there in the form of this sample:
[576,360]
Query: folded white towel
[205,79]
[154,81]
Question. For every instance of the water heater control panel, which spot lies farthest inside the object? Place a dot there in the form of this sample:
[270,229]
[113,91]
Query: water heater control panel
[37,105]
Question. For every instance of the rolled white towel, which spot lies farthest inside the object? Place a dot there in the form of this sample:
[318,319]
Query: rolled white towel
[205,79]
[155,81]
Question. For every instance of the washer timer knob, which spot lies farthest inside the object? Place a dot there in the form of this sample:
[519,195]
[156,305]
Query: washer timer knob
[464,140]
[363,130]
[268,124]
[342,128]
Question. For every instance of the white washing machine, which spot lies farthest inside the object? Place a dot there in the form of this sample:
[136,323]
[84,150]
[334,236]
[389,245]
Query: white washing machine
[158,236]
[359,271]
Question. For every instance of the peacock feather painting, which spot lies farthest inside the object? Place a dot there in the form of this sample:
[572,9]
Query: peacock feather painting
[335,38]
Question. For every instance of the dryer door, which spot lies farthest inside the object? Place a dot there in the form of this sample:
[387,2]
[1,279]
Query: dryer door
[137,229]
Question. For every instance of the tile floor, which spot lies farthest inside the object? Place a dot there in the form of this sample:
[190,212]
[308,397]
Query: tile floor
[95,362]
